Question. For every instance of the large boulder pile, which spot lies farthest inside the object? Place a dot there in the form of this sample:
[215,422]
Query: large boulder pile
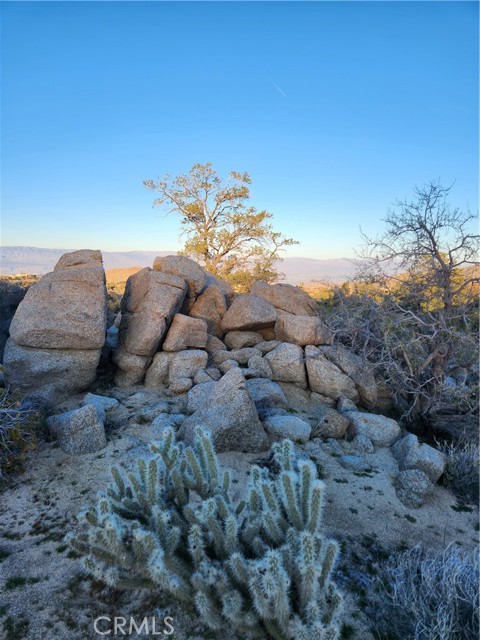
[58,331]
[249,368]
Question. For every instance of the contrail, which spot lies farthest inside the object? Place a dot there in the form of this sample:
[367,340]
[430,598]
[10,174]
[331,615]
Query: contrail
[278,88]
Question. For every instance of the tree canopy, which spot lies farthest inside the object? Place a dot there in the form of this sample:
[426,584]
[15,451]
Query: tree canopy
[231,239]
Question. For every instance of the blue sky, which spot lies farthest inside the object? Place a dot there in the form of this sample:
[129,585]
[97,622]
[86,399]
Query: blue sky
[334,108]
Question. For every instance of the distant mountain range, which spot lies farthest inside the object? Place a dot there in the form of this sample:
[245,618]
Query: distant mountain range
[35,260]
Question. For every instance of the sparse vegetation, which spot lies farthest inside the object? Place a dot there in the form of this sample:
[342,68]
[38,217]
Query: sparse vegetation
[19,420]
[429,595]
[412,307]
[462,469]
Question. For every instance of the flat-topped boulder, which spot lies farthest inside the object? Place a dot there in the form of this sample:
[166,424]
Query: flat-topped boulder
[287,298]
[59,329]
[249,313]
[66,309]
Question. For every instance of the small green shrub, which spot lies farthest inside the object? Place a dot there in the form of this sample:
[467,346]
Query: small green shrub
[260,568]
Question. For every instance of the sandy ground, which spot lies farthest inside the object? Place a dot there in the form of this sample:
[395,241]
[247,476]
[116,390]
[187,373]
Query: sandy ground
[44,594]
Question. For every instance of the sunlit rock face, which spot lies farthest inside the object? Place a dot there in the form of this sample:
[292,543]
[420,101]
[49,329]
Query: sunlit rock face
[58,331]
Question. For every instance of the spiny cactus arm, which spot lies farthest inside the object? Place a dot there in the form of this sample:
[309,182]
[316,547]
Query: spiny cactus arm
[333,605]
[275,631]
[203,444]
[119,480]
[233,605]
[182,494]
[284,454]
[308,571]
[308,474]
[315,508]
[198,482]
[196,545]
[328,562]
[208,517]
[226,483]
[114,576]
[172,581]
[281,585]
[232,541]
[210,612]
[239,568]
[167,447]
[288,492]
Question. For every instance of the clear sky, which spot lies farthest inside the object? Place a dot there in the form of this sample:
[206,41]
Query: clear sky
[334,108]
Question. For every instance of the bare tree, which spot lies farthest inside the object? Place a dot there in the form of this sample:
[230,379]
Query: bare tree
[231,239]
[412,306]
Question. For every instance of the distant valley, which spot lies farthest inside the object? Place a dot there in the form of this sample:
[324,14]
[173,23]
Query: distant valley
[36,260]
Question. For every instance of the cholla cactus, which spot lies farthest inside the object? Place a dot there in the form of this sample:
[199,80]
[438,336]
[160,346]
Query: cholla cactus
[261,568]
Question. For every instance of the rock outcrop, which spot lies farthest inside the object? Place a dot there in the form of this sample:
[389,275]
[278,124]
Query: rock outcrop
[58,331]
[151,300]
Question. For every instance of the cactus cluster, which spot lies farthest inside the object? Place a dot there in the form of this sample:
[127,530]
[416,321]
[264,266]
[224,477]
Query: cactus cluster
[259,568]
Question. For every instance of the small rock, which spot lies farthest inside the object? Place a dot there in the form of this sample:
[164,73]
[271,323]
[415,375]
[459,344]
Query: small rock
[413,487]
[302,330]
[214,344]
[287,363]
[181,385]
[201,376]
[362,444]
[227,365]
[112,337]
[354,463]
[214,373]
[329,423]
[101,403]
[184,268]
[382,431]
[185,364]
[157,373]
[79,431]
[210,306]
[410,454]
[165,421]
[186,332]
[326,378]
[258,368]
[149,413]
[266,395]
[241,339]
[288,427]
[267,345]
[345,404]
